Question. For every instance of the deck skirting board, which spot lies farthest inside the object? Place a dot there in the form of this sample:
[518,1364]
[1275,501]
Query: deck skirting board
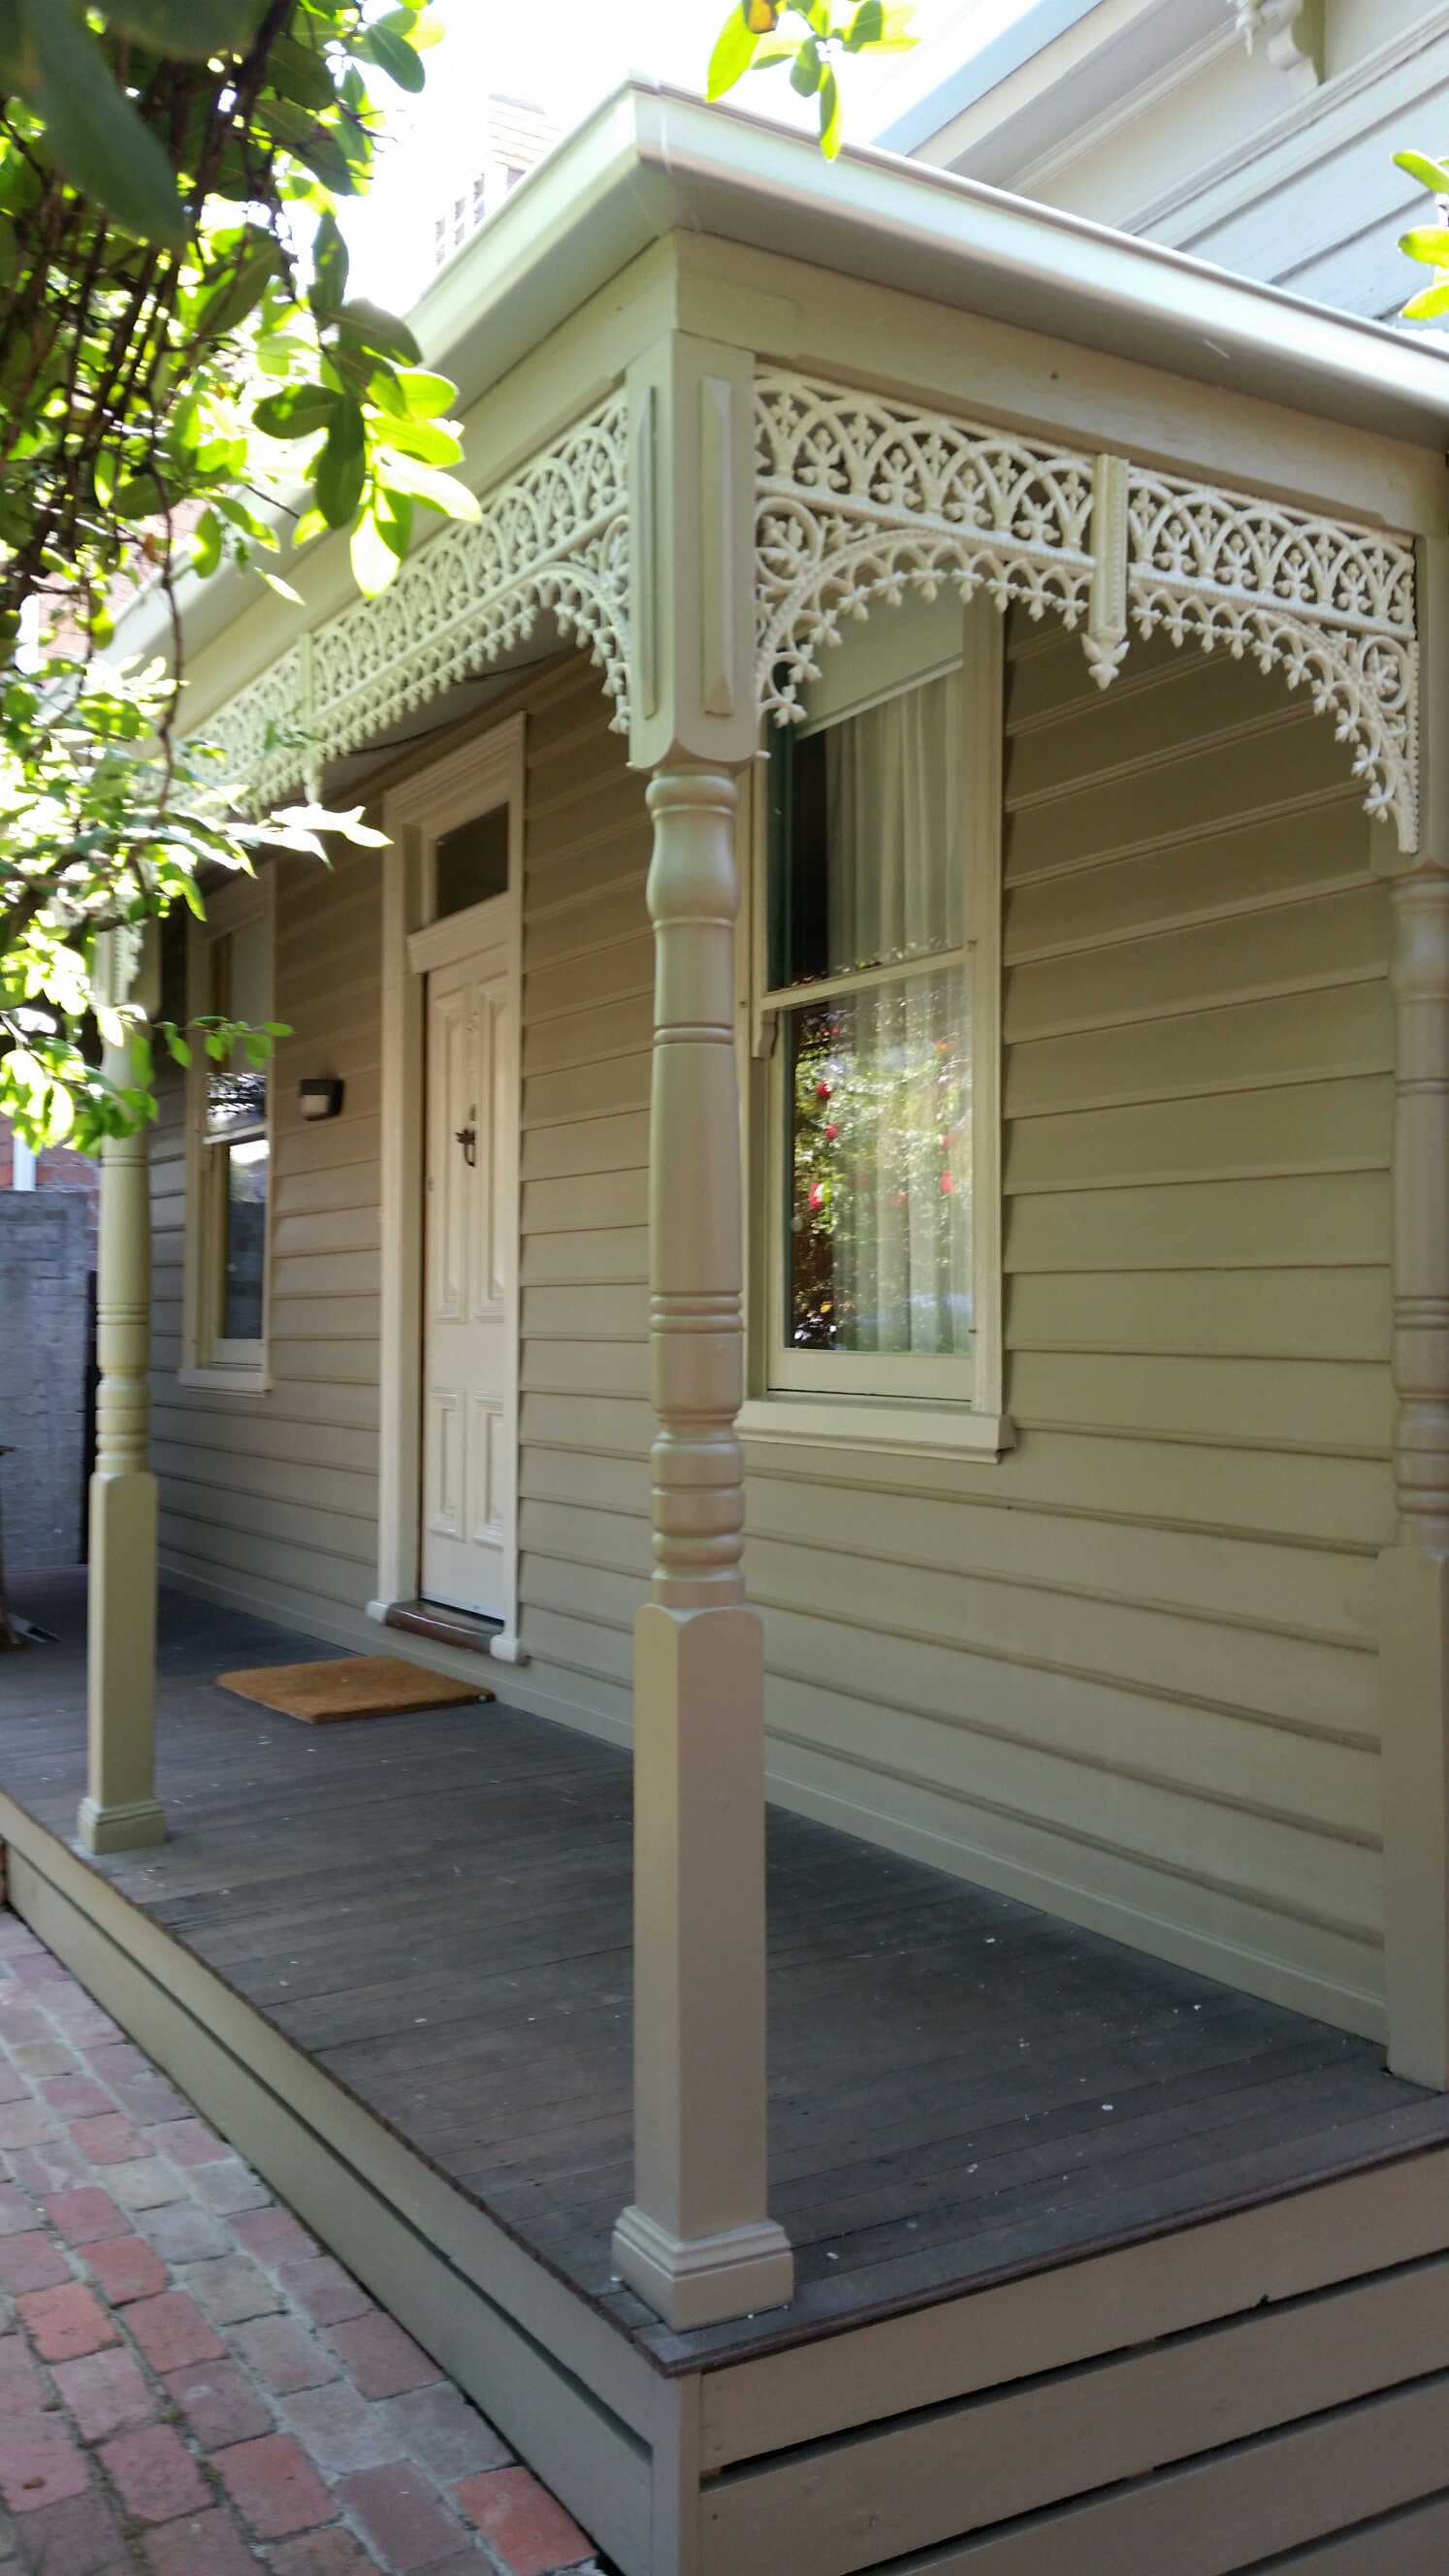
[531,2353]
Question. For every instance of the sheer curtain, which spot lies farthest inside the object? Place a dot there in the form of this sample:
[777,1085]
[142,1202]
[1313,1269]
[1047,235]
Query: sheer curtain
[883,1076]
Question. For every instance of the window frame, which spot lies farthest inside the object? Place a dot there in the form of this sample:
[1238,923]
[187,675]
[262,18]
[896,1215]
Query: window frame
[900,1400]
[208,1359]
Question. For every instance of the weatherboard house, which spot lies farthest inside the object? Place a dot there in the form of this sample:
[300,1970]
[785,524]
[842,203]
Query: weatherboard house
[859,1200]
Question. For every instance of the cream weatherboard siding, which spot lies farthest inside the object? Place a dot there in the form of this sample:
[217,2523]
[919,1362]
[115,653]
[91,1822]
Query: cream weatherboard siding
[270,1501]
[1128,1672]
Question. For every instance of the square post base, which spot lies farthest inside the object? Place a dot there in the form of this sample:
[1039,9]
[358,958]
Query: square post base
[704,2280]
[115,1829]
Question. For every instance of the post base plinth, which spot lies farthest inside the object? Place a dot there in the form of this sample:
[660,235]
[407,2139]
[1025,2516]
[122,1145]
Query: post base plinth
[116,1829]
[704,2280]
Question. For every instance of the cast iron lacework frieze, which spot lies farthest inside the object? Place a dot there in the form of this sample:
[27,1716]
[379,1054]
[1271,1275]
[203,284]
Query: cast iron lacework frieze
[861,496]
[554,537]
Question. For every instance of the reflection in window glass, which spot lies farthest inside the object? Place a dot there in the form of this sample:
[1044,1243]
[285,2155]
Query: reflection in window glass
[880,1169]
[868,837]
[471,862]
[246,1240]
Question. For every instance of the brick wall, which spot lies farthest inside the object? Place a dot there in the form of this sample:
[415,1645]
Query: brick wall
[44,1261]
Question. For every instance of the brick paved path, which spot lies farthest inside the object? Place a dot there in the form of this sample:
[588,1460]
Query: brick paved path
[188,2385]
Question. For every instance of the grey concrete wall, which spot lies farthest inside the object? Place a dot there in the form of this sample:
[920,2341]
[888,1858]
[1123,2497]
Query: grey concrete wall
[44,1256]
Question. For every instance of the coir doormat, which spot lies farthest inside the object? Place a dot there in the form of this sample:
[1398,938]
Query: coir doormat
[348,1686]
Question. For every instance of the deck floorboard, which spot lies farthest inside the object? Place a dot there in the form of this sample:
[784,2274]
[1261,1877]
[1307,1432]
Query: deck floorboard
[436,1907]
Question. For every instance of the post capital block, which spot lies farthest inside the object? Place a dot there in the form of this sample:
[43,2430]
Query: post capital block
[692,553]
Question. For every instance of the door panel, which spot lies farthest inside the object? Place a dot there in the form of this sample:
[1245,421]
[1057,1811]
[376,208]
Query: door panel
[467,1466]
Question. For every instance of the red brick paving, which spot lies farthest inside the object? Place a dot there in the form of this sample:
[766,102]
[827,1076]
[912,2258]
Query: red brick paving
[527,2531]
[189,2386]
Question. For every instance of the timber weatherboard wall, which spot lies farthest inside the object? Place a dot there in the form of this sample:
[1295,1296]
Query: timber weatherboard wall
[269,1501]
[1129,1672]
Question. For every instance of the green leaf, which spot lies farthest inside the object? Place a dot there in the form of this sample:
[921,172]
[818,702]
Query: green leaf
[206,544]
[380,334]
[340,470]
[1427,242]
[435,491]
[807,71]
[329,267]
[295,72]
[425,439]
[1430,174]
[195,29]
[317,147]
[1426,306]
[94,131]
[19,61]
[238,291]
[426,394]
[393,54]
[734,51]
[283,589]
[374,561]
[394,514]
[880,27]
[296,412]
[311,524]
[142,496]
[830,115]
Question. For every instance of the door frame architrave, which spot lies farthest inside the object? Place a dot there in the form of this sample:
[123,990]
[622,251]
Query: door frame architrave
[489,768]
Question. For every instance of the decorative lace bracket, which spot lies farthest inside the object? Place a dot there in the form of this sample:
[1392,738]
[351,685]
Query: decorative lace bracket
[554,537]
[860,496]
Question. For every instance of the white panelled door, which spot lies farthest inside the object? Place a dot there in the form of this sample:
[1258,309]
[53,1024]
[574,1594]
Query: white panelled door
[467,1462]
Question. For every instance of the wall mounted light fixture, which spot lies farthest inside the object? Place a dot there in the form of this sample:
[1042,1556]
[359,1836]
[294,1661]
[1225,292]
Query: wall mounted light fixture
[321,1097]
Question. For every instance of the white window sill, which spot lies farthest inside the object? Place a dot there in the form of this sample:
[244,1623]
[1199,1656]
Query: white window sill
[230,1381]
[876,1422]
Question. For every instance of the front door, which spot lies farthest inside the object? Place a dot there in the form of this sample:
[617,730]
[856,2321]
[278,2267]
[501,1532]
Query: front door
[467,1492]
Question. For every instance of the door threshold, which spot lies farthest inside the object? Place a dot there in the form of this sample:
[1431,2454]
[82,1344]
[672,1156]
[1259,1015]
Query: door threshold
[445,1626]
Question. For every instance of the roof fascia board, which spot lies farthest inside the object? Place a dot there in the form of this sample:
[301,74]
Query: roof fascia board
[1054,390]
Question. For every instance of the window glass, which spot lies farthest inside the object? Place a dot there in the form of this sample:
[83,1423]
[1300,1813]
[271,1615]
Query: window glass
[868,887]
[244,1277]
[869,815]
[880,1178]
[471,862]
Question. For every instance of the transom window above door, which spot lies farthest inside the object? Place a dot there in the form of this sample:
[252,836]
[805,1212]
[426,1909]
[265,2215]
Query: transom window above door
[882,876]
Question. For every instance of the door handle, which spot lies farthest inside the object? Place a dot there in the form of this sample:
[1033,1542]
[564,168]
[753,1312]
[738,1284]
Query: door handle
[467,1137]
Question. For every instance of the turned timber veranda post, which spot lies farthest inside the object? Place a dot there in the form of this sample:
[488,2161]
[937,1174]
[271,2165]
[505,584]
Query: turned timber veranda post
[697,2241]
[120,1811]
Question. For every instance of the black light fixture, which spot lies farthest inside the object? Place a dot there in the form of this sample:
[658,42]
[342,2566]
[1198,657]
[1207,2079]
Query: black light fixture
[321,1096]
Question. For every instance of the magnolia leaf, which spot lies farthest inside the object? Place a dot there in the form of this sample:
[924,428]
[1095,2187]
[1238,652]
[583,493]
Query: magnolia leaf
[94,131]
[734,51]
[283,589]
[807,72]
[1432,175]
[1429,242]
[329,266]
[830,113]
[436,491]
[340,470]
[393,54]
[412,393]
[1427,305]
[381,334]
[374,561]
[348,825]
[297,412]
[19,61]
[428,440]
[206,544]
[312,523]
[195,29]
[394,514]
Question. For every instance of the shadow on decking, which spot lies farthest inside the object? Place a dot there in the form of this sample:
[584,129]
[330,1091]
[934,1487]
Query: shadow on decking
[436,1909]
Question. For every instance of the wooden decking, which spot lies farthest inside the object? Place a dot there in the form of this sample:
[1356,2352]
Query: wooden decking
[434,1910]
